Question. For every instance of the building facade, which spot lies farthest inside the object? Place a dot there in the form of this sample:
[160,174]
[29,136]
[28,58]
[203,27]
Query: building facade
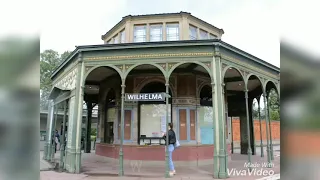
[206,81]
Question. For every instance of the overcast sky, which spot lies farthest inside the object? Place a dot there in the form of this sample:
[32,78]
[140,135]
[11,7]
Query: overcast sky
[248,25]
[251,25]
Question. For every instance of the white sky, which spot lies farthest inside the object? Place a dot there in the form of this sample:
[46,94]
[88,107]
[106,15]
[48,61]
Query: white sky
[251,25]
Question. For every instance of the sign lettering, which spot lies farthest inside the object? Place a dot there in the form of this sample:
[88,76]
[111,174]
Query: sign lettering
[145,97]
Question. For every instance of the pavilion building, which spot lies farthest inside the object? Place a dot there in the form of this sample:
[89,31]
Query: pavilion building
[204,80]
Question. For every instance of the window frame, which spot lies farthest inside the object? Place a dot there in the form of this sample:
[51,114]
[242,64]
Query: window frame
[122,36]
[190,32]
[203,31]
[115,39]
[153,26]
[172,25]
[212,36]
[143,37]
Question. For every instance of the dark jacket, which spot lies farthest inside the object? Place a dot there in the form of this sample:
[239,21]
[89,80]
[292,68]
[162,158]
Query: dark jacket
[171,137]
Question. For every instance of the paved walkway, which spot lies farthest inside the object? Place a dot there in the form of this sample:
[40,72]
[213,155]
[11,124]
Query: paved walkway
[44,165]
[96,167]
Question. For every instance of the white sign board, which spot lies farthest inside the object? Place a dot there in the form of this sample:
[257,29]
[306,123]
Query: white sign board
[145,97]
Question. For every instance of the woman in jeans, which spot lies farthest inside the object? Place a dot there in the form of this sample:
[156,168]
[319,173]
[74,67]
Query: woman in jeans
[171,143]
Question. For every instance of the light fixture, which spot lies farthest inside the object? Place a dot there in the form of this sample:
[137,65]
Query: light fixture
[239,84]
[230,68]
[90,87]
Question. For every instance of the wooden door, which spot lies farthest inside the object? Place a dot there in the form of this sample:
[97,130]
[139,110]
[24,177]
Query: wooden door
[192,124]
[183,124]
[127,124]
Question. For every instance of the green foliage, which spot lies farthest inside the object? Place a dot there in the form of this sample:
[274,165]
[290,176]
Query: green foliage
[274,105]
[49,61]
[93,132]
[274,115]
[93,138]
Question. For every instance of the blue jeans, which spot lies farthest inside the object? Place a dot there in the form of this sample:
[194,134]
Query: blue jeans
[170,150]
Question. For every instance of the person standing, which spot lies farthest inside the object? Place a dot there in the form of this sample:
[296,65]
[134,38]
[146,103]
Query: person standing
[57,140]
[171,147]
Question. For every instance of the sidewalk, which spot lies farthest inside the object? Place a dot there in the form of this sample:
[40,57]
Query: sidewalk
[236,145]
[44,165]
[96,167]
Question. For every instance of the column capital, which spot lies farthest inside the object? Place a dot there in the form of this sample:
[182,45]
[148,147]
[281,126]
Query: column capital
[167,84]
[123,85]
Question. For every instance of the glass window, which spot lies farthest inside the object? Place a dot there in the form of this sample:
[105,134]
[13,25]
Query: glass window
[156,32]
[139,33]
[153,120]
[203,34]
[116,39]
[123,36]
[173,32]
[192,32]
[211,36]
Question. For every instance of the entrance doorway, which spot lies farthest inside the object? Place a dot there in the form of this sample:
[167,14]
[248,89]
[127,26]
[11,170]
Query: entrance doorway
[110,137]
[152,114]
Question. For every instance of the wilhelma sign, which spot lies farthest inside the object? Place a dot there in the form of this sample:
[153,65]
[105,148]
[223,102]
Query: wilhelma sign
[146,97]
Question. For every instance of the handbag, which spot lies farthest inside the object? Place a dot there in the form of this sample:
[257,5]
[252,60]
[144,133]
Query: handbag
[177,144]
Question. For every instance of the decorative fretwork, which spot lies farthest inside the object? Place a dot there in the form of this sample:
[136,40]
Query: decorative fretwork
[170,65]
[163,65]
[127,66]
[88,68]
[224,66]
[143,56]
[248,66]
[68,82]
[120,67]
[184,101]
[208,64]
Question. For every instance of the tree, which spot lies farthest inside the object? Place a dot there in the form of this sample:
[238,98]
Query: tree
[274,105]
[255,112]
[49,61]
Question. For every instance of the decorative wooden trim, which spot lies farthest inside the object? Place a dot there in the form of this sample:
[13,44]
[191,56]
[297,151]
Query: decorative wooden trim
[64,73]
[248,66]
[68,81]
[141,56]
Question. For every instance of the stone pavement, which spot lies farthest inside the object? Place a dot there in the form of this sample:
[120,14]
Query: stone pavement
[96,167]
[44,165]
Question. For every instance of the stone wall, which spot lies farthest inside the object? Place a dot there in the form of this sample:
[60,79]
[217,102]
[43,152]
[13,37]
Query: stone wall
[275,127]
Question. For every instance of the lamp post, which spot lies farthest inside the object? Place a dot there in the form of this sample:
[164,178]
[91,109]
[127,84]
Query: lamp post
[167,137]
[121,171]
